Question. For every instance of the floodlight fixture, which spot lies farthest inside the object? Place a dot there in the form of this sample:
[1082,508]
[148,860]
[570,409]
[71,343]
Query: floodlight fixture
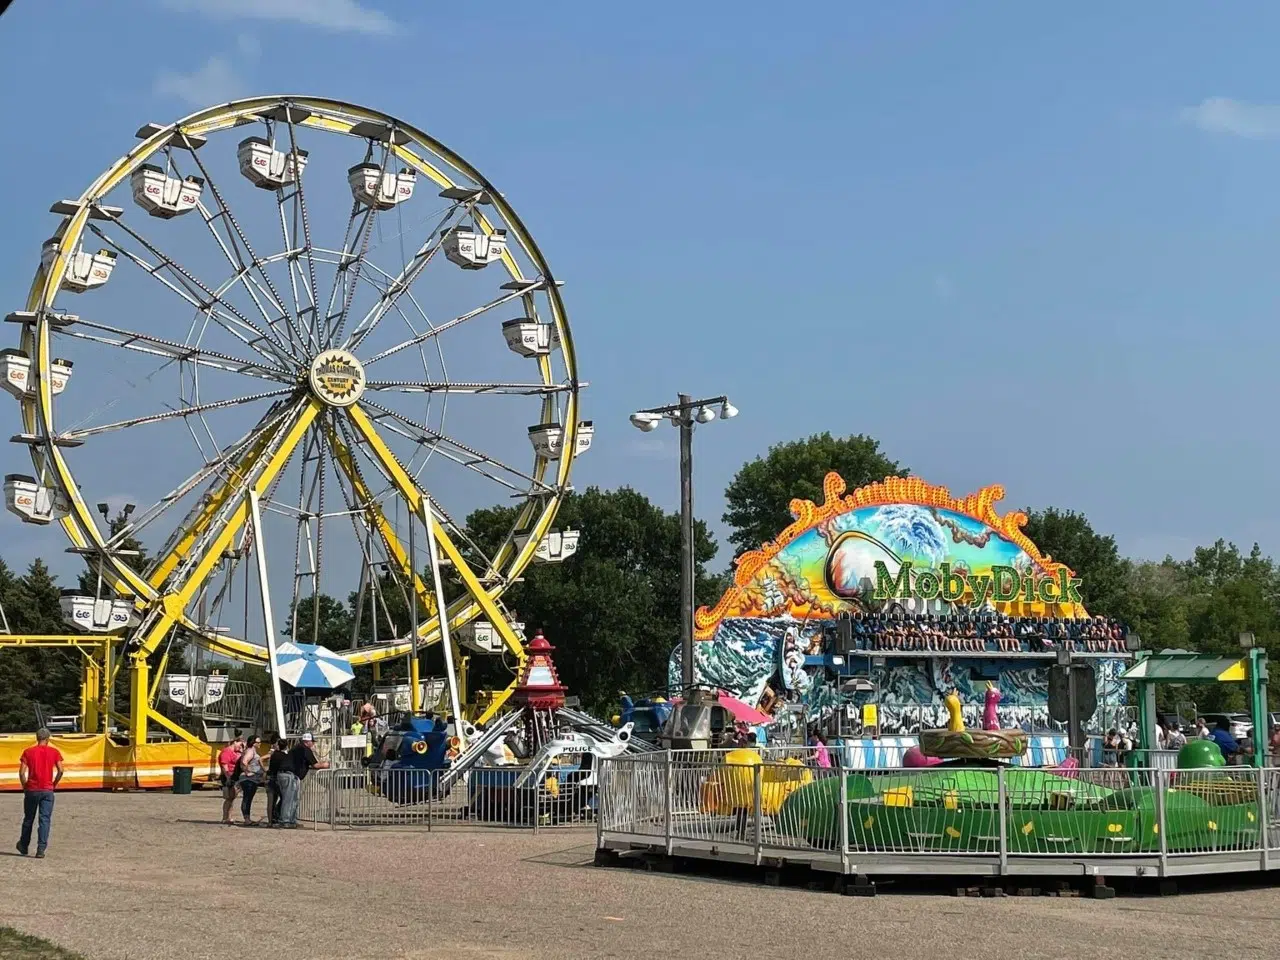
[646,421]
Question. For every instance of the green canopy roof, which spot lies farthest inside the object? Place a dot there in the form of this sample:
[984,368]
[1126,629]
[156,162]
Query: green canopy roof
[1180,666]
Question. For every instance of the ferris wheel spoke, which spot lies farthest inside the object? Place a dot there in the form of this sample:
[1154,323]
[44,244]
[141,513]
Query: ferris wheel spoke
[460,453]
[399,284]
[290,256]
[482,594]
[194,410]
[199,296]
[230,472]
[396,553]
[347,275]
[300,208]
[419,438]
[518,291]
[244,275]
[198,549]
[154,346]
[352,442]
[195,568]
[237,260]
[222,464]
[445,386]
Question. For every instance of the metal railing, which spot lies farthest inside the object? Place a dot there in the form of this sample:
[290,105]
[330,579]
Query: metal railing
[355,796]
[696,803]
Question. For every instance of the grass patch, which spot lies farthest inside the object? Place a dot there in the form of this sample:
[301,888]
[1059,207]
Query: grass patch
[18,946]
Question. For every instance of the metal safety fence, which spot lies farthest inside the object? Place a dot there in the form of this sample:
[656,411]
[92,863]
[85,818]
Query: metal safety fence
[969,819]
[355,797]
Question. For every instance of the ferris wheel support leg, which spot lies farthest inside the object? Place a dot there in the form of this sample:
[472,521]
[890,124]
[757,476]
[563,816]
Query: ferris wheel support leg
[139,689]
[202,521]
[110,667]
[497,703]
[395,550]
[463,662]
[442,609]
[268,621]
[408,489]
[90,689]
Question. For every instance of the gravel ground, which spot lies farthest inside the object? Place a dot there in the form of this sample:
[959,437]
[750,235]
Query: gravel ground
[143,876]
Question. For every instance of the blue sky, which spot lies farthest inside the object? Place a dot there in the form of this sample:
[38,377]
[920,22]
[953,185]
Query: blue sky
[1017,244]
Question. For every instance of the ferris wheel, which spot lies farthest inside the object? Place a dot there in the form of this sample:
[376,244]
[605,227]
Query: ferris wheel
[303,339]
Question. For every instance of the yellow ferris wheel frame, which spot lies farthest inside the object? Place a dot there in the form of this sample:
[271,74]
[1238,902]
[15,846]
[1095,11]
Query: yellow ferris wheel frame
[163,604]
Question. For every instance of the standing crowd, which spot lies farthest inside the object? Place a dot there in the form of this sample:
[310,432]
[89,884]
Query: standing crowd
[281,770]
[1119,743]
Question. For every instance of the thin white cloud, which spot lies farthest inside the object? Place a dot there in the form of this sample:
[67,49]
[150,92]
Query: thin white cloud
[344,16]
[1253,121]
[215,81]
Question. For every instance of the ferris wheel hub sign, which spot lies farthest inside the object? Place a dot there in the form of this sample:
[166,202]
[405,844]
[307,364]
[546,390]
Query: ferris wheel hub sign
[337,378]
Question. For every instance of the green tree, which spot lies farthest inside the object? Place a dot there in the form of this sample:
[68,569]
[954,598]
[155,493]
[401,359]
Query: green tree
[612,610]
[334,622]
[1155,603]
[47,676]
[1226,594]
[1069,538]
[760,493]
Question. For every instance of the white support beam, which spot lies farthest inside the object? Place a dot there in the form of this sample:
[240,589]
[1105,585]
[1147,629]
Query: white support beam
[259,550]
[446,642]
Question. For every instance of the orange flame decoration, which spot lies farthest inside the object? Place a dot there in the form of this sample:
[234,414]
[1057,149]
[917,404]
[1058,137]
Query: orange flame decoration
[978,506]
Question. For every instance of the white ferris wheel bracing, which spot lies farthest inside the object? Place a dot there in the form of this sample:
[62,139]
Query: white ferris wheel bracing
[325,359]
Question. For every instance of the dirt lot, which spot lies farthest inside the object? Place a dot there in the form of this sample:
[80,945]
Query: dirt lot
[154,876]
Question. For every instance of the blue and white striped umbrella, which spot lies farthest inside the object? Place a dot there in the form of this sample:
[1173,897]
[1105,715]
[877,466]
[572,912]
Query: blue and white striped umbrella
[312,666]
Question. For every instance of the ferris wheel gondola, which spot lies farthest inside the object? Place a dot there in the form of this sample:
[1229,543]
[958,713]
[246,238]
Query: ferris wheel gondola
[270,390]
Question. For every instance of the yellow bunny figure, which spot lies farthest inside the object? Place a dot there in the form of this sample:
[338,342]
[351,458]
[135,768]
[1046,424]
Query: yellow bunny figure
[955,721]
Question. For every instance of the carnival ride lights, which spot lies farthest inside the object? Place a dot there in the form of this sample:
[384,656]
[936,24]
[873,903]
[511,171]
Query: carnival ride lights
[343,385]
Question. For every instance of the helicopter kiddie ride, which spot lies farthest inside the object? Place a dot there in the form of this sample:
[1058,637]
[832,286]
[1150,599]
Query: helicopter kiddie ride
[534,763]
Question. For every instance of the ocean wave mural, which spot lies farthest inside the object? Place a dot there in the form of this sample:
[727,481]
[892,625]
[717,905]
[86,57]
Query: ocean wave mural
[901,546]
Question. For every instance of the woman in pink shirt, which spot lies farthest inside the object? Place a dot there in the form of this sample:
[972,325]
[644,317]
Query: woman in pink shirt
[229,762]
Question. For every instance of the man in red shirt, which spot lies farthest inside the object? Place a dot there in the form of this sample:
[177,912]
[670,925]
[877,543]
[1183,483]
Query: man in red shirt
[39,770]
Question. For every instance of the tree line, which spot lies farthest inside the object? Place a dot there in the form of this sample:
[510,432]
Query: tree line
[612,610]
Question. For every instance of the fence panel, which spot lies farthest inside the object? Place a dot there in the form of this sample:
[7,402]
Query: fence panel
[357,796]
[1005,812]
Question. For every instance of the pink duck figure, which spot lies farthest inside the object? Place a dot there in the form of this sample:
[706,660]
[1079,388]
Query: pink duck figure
[914,757]
[989,719]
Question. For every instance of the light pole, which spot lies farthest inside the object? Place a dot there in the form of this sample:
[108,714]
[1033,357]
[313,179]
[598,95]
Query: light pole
[684,413]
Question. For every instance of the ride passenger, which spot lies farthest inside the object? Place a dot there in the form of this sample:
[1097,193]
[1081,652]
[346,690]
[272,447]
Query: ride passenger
[821,755]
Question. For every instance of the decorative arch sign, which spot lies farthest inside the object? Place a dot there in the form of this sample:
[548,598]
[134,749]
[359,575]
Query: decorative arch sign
[900,546]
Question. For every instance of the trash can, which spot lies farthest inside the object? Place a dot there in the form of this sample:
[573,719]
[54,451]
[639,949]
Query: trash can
[182,779]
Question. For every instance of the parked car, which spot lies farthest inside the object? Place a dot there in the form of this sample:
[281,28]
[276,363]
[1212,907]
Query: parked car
[1239,725]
